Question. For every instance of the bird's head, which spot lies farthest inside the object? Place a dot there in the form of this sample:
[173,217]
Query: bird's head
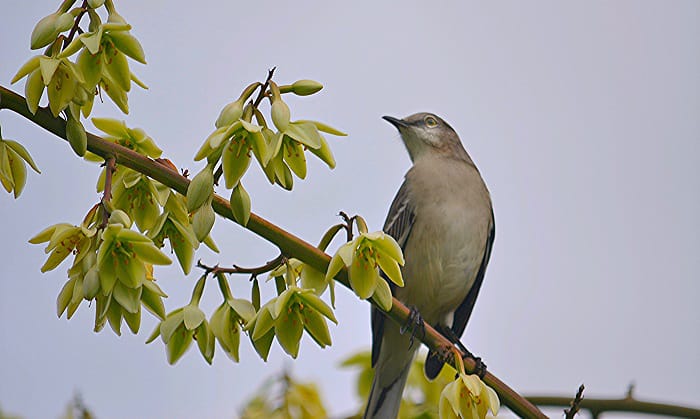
[426,134]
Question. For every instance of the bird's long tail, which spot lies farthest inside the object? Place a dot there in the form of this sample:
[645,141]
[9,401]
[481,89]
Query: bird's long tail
[384,402]
[390,374]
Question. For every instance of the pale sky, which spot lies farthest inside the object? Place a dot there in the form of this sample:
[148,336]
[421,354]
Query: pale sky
[583,117]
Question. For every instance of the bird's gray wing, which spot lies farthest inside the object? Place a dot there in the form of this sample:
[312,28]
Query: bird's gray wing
[433,364]
[398,225]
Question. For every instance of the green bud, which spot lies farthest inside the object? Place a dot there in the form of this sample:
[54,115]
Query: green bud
[200,189]
[91,284]
[120,217]
[44,32]
[240,204]
[75,132]
[230,114]
[64,22]
[306,87]
[94,4]
[280,114]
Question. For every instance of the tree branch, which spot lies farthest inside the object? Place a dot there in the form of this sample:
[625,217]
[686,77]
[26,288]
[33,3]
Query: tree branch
[598,406]
[288,244]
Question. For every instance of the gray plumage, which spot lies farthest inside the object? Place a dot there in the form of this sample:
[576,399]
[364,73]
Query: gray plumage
[443,220]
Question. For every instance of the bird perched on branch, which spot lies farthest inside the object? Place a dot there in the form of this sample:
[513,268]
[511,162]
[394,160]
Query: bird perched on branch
[443,220]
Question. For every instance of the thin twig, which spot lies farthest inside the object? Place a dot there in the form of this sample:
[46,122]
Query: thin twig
[348,224]
[76,26]
[254,272]
[263,88]
[575,404]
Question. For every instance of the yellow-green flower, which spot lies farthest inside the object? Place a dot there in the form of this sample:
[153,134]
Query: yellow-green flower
[467,397]
[362,256]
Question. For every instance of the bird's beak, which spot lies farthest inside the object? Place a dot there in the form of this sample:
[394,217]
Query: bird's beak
[398,123]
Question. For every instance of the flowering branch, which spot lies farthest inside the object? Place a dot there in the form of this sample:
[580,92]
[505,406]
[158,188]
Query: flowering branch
[286,242]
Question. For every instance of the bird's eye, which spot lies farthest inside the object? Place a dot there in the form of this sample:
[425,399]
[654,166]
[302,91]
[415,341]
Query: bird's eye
[430,121]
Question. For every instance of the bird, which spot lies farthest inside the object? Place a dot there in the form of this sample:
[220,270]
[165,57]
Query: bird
[442,218]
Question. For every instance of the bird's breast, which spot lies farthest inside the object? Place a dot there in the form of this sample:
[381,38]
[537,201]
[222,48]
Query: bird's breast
[447,241]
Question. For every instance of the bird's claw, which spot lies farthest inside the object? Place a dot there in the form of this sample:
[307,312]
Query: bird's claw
[480,367]
[415,323]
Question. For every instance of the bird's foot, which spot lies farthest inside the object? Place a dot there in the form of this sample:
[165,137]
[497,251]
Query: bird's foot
[415,324]
[480,367]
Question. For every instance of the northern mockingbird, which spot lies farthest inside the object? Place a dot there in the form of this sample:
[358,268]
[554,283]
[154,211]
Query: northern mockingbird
[443,220]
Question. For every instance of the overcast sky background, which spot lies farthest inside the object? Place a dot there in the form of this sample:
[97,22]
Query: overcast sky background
[583,117]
